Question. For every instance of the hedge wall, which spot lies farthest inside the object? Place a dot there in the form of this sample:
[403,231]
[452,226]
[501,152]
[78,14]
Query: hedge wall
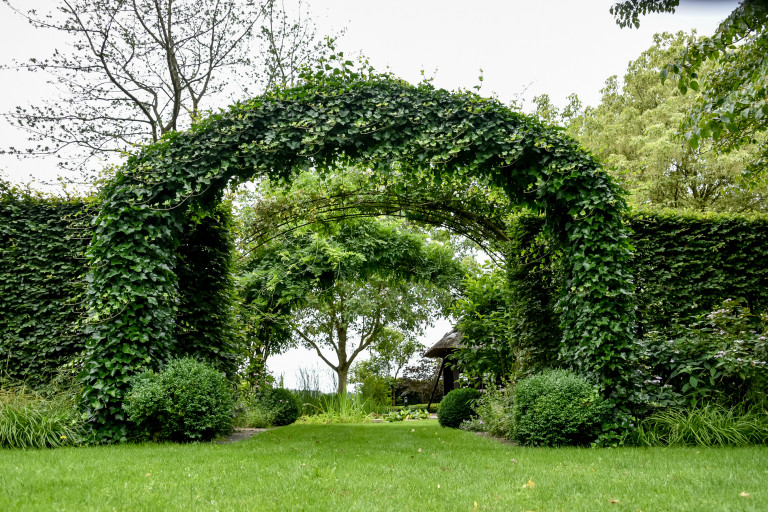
[685,265]
[42,267]
[42,283]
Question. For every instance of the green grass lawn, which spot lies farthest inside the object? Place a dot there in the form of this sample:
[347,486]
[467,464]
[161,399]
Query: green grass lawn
[411,466]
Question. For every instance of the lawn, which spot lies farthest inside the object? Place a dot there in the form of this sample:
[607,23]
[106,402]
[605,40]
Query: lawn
[409,466]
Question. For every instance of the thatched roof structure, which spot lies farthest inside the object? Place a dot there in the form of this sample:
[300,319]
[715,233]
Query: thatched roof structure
[447,344]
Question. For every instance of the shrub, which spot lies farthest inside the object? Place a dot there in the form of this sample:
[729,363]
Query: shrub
[719,358]
[494,413]
[457,407]
[706,425]
[283,406]
[187,400]
[556,408]
[32,419]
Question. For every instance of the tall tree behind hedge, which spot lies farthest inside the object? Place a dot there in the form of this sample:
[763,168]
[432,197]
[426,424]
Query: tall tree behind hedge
[732,109]
[635,131]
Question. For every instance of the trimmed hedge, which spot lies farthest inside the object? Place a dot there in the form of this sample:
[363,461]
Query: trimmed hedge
[685,265]
[457,407]
[42,268]
[188,400]
[557,408]
[43,279]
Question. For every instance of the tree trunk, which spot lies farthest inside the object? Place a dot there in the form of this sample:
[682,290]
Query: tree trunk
[342,373]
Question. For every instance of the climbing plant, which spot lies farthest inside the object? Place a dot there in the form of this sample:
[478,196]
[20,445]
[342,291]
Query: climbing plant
[341,116]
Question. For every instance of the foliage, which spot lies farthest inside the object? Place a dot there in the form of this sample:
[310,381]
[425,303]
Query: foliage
[506,314]
[354,286]
[371,386]
[732,107]
[494,412]
[204,326]
[704,425]
[719,358]
[137,70]
[188,400]
[635,131]
[41,282]
[283,405]
[475,211]
[456,407]
[557,408]
[252,414]
[47,418]
[344,115]
[335,408]
[483,313]
[407,413]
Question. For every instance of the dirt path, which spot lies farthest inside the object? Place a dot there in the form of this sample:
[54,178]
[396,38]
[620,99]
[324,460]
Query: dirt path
[241,434]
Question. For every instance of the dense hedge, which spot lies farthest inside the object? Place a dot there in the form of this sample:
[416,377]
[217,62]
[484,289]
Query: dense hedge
[42,266]
[684,266]
[43,275]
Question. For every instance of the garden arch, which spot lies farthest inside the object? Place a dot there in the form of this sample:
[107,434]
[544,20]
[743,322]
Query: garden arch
[388,125]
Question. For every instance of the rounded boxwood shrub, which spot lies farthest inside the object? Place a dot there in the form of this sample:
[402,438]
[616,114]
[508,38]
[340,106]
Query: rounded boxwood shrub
[187,400]
[557,408]
[457,407]
[283,406]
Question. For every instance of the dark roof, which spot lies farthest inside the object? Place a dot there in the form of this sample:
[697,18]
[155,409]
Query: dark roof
[447,344]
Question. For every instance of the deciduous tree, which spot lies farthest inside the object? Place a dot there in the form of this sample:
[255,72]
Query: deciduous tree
[137,69]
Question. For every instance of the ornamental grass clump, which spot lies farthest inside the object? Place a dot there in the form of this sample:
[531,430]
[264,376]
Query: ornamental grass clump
[704,425]
[187,400]
[456,407]
[557,408]
[35,419]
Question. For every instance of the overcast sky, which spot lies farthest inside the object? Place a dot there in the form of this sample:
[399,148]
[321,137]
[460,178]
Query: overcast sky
[524,47]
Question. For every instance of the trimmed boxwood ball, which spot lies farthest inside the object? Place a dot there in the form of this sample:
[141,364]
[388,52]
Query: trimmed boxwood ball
[457,407]
[283,405]
[557,408]
[187,400]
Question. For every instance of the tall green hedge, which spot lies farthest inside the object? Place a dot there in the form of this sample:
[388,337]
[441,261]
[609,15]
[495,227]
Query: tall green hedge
[42,283]
[684,265]
[42,267]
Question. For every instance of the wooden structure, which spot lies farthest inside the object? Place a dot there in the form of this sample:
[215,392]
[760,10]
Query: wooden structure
[443,349]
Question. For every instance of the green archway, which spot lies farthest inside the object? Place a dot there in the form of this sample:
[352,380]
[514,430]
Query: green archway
[387,125]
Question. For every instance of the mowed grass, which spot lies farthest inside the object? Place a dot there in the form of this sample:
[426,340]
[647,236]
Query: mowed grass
[410,466]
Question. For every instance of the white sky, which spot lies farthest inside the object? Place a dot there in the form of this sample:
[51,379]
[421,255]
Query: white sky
[524,47]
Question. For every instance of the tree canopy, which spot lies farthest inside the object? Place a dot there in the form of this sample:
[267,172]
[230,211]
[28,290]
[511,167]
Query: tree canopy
[351,286]
[733,105]
[635,131]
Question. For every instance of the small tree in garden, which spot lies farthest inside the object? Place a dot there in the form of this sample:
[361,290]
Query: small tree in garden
[363,285]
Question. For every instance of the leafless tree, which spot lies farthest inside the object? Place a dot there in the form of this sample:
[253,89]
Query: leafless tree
[137,69]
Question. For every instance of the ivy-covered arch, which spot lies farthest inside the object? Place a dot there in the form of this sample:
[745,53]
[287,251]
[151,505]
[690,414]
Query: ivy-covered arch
[382,123]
